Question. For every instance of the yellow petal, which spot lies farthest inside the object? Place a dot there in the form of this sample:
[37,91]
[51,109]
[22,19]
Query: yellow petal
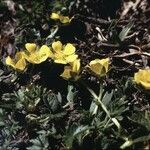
[21,64]
[105,63]
[66,73]
[54,16]
[96,68]
[32,58]
[9,61]
[64,19]
[76,66]
[69,49]
[39,56]
[142,77]
[36,58]
[60,61]
[45,51]
[57,46]
[146,85]
[99,66]
[18,62]
[59,55]
[59,58]
[71,58]
[19,55]
[31,47]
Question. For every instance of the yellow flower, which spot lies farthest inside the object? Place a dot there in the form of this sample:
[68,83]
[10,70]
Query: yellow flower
[63,55]
[37,55]
[64,19]
[54,16]
[142,77]
[18,62]
[72,71]
[61,18]
[99,66]
[31,47]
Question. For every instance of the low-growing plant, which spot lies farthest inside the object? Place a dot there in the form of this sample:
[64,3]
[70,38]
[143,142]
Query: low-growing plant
[87,113]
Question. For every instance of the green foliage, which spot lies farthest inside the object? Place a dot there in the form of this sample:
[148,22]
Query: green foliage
[9,129]
[116,36]
[41,142]
[125,31]
[142,118]
[75,132]
[39,116]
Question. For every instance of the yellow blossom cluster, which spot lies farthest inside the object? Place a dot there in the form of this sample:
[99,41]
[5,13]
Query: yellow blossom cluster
[59,53]
[33,54]
[63,54]
[61,18]
[66,55]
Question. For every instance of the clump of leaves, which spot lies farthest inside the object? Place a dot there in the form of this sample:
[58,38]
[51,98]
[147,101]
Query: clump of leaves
[9,129]
[36,106]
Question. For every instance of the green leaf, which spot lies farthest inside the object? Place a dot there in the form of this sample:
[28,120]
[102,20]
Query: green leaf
[92,107]
[75,132]
[107,98]
[54,101]
[117,106]
[40,143]
[125,31]
[142,118]
[72,93]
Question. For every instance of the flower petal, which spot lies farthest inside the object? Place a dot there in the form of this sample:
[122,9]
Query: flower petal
[64,19]
[60,61]
[54,16]
[21,64]
[19,55]
[142,77]
[57,46]
[66,74]
[32,58]
[146,85]
[69,49]
[99,66]
[10,62]
[31,47]
[105,63]
[71,58]
[96,68]
[76,66]
[18,62]
[45,50]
